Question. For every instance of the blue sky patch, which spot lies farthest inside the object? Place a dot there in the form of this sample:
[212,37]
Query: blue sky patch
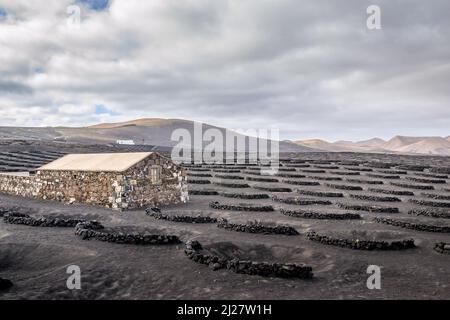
[39,70]
[3,14]
[97,5]
[101,109]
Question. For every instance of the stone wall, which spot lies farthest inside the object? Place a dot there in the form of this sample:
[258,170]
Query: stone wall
[138,191]
[95,188]
[27,220]
[195,252]
[19,185]
[442,247]
[130,189]
[357,244]
[94,230]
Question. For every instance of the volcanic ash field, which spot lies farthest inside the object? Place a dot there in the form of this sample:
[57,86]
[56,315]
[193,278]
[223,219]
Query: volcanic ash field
[308,232]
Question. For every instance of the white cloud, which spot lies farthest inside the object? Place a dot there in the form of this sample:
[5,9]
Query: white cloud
[310,68]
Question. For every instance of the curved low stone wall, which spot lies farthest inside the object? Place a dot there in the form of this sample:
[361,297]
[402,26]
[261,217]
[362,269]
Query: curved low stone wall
[89,231]
[232,185]
[436,196]
[240,207]
[257,228]
[412,186]
[393,171]
[272,189]
[344,187]
[325,178]
[245,195]
[227,170]
[290,175]
[258,179]
[198,169]
[180,218]
[301,201]
[307,214]
[27,220]
[226,166]
[361,169]
[361,244]
[195,252]
[313,171]
[199,175]
[445,170]
[301,183]
[380,165]
[382,176]
[435,213]
[321,194]
[203,192]
[14,210]
[252,172]
[256,169]
[374,198]
[191,181]
[426,180]
[442,247]
[228,177]
[412,225]
[346,173]
[326,162]
[376,209]
[350,162]
[432,175]
[286,169]
[394,192]
[364,181]
[436,204]
[329,167]
[412,167]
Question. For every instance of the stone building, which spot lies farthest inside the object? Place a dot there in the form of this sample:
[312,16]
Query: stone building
[113,180]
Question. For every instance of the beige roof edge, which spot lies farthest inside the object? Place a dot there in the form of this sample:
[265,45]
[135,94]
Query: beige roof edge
[96,162]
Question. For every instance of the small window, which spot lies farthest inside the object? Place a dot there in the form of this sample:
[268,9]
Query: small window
[155,174]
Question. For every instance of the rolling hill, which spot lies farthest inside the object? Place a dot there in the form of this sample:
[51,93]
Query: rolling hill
[147,131]
[398,144]
[158,132]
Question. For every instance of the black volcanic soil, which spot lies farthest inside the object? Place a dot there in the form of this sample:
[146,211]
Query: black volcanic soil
[35,258]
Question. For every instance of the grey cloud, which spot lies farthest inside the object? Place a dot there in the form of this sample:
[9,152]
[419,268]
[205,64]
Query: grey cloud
[311,68]
[14,87]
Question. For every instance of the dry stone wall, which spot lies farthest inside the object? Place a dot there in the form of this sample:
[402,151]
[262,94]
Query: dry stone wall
[138,192]
[96,188]
[195,252]
[130,189]
[19,185]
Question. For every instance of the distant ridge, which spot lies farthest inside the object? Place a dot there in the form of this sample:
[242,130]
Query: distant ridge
[398,144]
[145,131]
[158,132]
[145,122]
[374,142]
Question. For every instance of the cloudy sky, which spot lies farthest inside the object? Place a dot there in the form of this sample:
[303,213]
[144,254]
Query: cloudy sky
[310,68]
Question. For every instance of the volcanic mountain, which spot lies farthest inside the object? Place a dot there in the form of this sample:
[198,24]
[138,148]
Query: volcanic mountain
[147,131]
[398,144]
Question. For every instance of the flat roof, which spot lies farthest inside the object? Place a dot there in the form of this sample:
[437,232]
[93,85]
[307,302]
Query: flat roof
[97,162]
[17,174]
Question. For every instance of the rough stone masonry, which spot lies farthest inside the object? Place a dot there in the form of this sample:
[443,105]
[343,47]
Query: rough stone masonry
[119,181]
